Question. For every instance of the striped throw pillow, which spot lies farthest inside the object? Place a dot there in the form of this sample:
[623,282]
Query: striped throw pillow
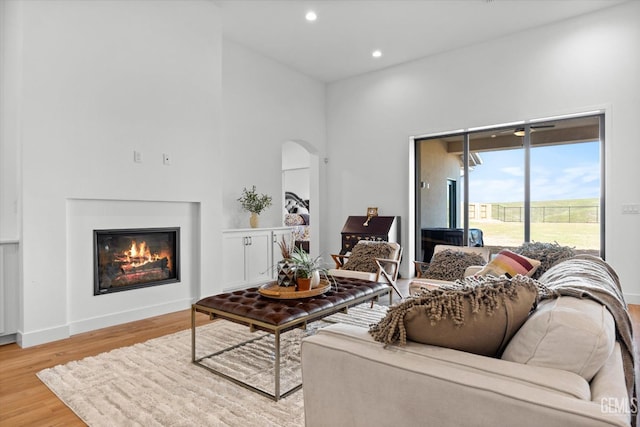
[510,264]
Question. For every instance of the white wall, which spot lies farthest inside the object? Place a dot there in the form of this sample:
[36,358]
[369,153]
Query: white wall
[297,181]
[9,177]
[264,105]
[9,153]
[437,166]
[97,81]
[591,62]
[87,311]
[294,156]
[296,165]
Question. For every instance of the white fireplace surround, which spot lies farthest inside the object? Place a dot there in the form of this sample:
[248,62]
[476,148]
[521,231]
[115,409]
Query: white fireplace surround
[88,312]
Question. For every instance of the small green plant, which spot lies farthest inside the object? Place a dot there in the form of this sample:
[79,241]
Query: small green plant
[253,202]
[305,265]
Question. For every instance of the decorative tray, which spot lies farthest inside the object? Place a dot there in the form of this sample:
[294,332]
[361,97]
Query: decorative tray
[272,290]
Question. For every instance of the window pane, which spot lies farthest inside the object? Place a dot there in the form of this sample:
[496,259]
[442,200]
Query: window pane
[437,194]
[565,184]
[496,188]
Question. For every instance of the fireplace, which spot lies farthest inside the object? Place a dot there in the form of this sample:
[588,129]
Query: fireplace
[135,258]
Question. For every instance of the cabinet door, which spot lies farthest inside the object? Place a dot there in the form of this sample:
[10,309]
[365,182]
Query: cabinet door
[233,269]
[258,257]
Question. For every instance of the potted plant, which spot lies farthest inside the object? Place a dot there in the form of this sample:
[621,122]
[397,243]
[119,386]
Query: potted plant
[286,266]
[307,269]
[254,203]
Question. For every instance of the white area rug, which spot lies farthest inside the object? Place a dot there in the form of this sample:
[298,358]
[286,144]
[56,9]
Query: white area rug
[155,384]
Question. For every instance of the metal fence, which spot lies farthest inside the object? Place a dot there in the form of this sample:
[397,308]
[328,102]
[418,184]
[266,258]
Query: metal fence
[570,214]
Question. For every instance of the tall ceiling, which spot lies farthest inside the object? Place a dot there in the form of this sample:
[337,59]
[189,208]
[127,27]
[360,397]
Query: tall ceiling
[340,42]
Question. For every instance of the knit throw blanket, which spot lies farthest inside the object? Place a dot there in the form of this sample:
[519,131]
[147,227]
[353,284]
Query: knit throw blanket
[587,276]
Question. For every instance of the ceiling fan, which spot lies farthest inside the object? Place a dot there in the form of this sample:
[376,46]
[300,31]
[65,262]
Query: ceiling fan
[520,130]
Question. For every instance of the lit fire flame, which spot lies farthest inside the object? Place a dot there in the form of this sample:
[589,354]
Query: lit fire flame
[139,254]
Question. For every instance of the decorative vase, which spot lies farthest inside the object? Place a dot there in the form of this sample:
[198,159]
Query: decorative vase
[304,283]
[254,220]
[315,279]
[286,273]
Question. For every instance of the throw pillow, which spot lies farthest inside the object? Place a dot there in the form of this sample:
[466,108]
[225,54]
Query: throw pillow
[509,264]
[293,219]
[479,316]
[362,257]
[549,254]
[572,334]
[450,265]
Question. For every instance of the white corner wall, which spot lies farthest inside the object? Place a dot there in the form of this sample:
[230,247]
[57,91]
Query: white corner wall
[99,80]
[87,311]
[265,104]
[591,62]
[9,153]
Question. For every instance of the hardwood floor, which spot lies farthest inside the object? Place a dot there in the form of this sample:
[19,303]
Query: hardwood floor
[25,401]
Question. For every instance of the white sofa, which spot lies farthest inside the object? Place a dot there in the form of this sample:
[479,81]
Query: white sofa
[351,380]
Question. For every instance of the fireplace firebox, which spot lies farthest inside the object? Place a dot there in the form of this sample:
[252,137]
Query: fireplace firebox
[135,258]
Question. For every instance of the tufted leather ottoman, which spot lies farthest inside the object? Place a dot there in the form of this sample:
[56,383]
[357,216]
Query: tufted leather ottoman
[252,306]
[248,307]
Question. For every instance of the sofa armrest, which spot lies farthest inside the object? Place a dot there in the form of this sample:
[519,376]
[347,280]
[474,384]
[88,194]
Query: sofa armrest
[345,370]
[608,386]
[472,270]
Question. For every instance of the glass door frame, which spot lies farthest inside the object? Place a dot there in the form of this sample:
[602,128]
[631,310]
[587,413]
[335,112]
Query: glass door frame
[415,193]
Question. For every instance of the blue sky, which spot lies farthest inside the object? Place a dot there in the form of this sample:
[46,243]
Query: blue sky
[570,171]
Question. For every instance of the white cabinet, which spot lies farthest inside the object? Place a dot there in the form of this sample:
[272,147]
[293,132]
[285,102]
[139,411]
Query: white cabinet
[9,286]
[249,256]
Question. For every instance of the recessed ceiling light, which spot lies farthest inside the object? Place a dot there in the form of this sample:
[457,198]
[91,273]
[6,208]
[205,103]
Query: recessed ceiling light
[311,16]
[376,53]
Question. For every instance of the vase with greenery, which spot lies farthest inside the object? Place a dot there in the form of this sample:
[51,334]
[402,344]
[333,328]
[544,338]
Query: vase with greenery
[307,269]
[255,203]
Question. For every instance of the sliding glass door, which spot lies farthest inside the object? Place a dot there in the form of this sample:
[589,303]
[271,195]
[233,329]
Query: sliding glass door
[566,183]
[438,178]
[496,187]
[537,182]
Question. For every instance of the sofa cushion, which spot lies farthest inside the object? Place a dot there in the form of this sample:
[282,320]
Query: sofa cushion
[484,252]
[509,264]
[549,254]
[362,257]
[567,333]
[450,265]
[362,275]
[480,316]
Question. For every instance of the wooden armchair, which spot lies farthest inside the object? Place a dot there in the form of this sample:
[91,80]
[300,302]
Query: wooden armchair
[388,268]
[421,267]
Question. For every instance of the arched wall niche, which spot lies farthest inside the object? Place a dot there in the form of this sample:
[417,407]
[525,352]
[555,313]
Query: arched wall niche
[300,175]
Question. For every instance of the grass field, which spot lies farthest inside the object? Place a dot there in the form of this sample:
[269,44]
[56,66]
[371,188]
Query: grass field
[572,223]
[577,235]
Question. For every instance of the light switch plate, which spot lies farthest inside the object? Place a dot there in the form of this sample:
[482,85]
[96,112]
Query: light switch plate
[631,209]
[166,159]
